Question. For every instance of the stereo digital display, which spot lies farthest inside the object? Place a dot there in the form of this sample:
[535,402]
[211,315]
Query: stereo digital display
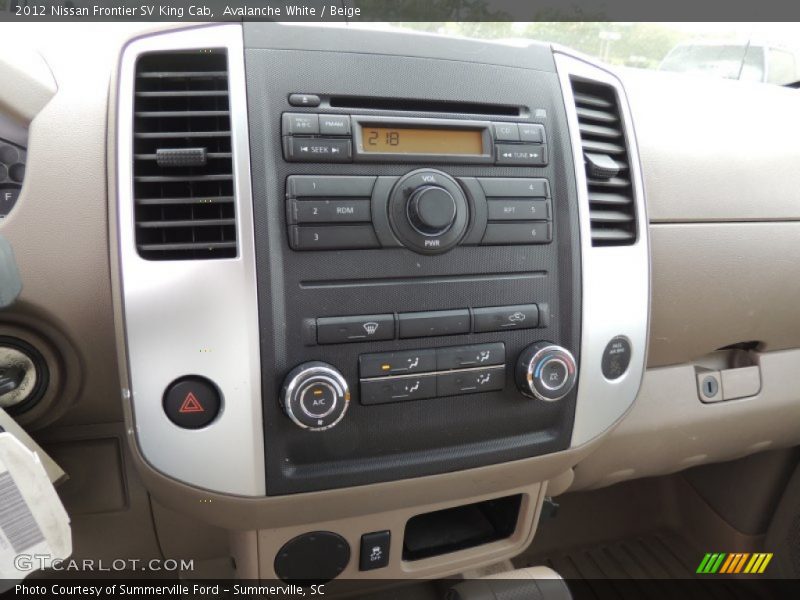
[407,140]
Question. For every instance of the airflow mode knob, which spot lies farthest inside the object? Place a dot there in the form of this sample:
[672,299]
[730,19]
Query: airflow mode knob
[546,371]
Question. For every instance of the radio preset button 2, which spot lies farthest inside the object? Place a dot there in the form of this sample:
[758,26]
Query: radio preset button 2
[334,210]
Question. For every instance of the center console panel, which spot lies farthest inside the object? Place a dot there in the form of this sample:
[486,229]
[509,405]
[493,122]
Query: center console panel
[400,285]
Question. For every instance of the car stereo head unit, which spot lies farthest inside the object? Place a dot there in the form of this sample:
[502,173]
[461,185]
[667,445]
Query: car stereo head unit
[311,137]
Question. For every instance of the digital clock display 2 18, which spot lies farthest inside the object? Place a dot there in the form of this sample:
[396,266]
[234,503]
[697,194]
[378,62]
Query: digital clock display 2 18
[408,140]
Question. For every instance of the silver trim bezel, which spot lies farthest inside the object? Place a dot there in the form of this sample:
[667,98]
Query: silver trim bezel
[193,316]
[615,279]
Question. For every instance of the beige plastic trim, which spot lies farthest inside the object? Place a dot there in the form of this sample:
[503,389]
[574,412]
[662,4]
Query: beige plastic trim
[672,430]
[28,84]
[714,149]
[271,540]
[717,284]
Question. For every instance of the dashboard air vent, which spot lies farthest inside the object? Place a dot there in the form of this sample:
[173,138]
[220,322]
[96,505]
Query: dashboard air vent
[182,164]
[611,200]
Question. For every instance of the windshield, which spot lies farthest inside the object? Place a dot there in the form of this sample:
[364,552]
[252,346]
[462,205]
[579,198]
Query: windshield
[762,52]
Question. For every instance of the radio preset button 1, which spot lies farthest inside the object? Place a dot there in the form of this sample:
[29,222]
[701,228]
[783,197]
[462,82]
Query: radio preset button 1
[514,209]
[397,363]
[398,389]
[530,132]
[499,234]
[334,124]
[300,124]
[506,132]
[521,154]
[322,185]
[471,381]
[362,328]
[319,150]
[440,322]
[335,210]
[504,318]
[332,237]
[476,355]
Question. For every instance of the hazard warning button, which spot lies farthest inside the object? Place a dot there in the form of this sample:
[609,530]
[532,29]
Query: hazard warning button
[192,402]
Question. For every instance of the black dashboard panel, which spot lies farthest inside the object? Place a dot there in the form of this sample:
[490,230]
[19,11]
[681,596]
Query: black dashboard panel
[421,433]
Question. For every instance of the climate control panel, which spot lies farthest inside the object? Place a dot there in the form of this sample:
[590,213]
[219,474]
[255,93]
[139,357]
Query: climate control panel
[316,396]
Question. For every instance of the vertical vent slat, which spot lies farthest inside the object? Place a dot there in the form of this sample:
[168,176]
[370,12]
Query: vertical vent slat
[612,212]
[183,184]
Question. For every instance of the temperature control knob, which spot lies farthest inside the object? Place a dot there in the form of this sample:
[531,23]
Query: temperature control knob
[315,396]
[546,371]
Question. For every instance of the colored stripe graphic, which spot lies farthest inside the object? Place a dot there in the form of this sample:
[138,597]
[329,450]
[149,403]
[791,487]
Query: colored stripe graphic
[734,563]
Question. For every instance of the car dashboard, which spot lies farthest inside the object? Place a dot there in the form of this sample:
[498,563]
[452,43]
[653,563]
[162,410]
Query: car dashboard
[316,285]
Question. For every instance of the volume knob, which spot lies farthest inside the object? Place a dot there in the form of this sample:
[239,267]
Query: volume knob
[431,210]
[546,371]
[315,396]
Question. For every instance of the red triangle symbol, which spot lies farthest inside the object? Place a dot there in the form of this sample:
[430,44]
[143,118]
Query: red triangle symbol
[191,405]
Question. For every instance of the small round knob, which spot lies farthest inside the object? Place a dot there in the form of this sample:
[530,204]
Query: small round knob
[431,210]
[315,396]
[546,371]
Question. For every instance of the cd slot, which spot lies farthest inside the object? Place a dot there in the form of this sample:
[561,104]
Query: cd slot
[420,105]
